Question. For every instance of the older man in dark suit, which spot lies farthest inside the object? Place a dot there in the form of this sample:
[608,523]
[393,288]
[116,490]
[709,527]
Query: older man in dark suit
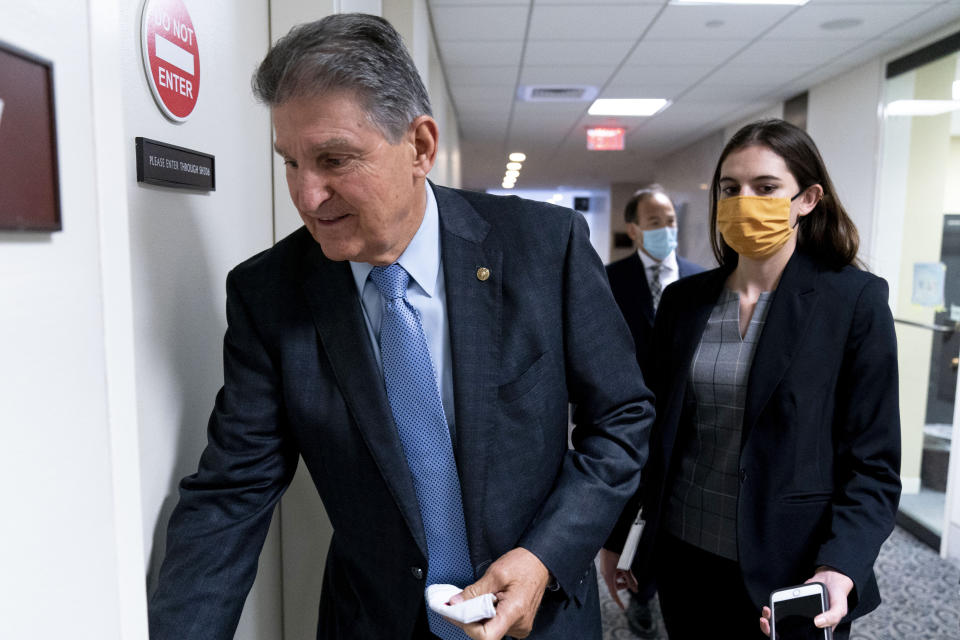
[637,282]
[417,346]
[639,279]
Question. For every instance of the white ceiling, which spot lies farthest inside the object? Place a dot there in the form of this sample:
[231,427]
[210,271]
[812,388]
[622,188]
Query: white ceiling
[718,64]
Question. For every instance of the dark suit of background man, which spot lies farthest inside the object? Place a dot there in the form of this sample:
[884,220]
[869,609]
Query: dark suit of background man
[513,317]
[637,282]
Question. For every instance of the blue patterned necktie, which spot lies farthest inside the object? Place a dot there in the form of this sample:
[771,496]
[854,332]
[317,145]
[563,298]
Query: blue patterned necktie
[418,412]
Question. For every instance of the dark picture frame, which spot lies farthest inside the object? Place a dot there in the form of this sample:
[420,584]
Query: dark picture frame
[29,170]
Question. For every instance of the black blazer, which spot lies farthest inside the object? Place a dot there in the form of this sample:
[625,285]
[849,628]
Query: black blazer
[301,381]
[820,452]
[628,281]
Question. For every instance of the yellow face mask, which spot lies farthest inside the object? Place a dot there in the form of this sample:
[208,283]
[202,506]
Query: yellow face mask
[754,226]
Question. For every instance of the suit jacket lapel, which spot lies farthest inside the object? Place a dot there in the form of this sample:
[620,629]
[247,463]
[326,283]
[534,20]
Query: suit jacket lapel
[335,306]
[691,320]
[473,314]
[644,298]
[787,319]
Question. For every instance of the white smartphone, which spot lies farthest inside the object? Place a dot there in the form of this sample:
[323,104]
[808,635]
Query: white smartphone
[793,610]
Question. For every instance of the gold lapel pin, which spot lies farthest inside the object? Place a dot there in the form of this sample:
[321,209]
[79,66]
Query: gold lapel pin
[482,274]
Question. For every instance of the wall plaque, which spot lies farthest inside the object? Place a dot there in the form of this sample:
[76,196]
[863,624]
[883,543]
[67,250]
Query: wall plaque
[29,176]
[167,165]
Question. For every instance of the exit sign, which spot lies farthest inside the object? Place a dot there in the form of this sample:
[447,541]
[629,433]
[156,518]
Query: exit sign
[605,138]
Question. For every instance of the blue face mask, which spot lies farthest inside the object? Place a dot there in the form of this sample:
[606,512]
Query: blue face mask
[660,243]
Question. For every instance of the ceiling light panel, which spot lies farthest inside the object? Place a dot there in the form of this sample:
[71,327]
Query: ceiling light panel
[627,106]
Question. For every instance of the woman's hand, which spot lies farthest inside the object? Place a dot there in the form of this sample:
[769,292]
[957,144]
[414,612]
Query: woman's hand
[838,586]
[616,579]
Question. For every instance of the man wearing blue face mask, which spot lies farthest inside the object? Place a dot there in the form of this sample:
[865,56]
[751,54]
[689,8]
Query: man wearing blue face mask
[637,282]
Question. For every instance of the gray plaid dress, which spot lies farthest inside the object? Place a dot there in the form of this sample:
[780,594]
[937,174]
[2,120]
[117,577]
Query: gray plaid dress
[702,503]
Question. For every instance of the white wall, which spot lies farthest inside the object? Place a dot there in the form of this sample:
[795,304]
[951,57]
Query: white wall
[182,245]
[683,175]
[446,170]
[843,118]
[771,111]
[70,566]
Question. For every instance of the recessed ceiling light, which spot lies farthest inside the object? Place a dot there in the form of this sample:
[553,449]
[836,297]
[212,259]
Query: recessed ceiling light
[627,106]
[512,174]
[514,166]
[841,24]
[507,185]
[517,157]
[788,2]
[921,107]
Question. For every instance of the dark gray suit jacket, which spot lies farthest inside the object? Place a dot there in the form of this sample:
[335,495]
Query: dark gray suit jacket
[301,379]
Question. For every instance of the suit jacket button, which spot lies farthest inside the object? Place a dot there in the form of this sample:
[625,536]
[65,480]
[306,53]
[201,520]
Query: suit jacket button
[417,572]
[743,475]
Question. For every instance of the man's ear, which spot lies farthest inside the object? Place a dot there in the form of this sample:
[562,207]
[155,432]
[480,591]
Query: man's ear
[633,230]
[425,136]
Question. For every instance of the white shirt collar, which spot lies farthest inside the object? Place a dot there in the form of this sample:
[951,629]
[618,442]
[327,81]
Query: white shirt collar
[667,264]
[421,258]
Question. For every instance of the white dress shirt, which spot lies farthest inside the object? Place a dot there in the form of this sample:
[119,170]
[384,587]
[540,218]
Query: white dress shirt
[422,260]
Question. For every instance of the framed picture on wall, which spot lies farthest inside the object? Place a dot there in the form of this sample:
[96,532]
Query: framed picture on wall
[29,175]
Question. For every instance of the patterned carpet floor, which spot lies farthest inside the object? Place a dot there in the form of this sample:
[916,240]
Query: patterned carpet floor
[921,597]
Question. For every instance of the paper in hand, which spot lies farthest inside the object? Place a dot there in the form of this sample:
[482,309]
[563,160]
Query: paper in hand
[633,540]
[473,610]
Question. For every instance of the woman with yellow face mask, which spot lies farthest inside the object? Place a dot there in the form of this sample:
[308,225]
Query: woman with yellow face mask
[776,453]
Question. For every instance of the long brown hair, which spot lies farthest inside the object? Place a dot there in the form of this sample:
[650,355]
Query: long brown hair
[827,233]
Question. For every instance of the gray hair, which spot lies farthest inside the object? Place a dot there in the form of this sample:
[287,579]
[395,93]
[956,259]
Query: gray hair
[354,52]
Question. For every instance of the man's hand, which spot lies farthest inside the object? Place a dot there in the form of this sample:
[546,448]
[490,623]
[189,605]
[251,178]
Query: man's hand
[616,579]
[518,580]
[839,587]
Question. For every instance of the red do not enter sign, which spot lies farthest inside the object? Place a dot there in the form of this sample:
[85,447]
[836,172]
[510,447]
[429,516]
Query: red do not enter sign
[171,57]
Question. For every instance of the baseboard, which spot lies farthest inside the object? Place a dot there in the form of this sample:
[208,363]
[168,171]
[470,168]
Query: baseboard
[919,530]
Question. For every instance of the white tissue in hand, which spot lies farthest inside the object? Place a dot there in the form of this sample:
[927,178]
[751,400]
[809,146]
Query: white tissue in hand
[473,610]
